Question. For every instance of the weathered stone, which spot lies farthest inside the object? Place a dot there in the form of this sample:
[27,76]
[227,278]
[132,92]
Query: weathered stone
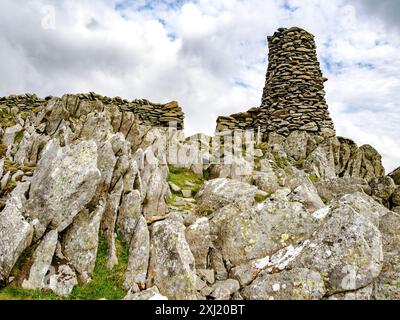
[80,241]
[217,193]
[139,253]
[15,232]
[383,188]
[63,281]
[395,175]
[347,251]
[172,265]
[386,286]
[149,294]
[296,284]
[42,259]
[396,197]
[264,229]
[198,238]
[64,182]
[223,290]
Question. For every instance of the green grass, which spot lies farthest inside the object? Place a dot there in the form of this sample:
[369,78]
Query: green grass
[181,176]
[11,293]
[105,283]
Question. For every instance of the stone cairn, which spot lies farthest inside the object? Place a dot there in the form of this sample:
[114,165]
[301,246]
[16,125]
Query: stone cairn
[294,96]
[149,114]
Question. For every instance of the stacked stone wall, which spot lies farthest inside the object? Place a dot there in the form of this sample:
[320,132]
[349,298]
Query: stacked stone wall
[148,113]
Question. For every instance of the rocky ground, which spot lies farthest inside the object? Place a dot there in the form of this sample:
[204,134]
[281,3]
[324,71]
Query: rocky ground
[93,207]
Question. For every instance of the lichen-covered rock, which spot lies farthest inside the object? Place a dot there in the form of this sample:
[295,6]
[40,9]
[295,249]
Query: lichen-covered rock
[395,175]
[264,229]
[109,220]
[337,187]
[364,205]
[63,281]
[80,241]
[63,183]
[198,238]
[387,285]
[296,284]
[383,188]
[15,232]
[361,294]
[218,193]
[42,259]
[128,214]
[346,251]
[235,168]
[139,252]
[396,197]
[154,181]
[307,195]
[223,290]
[321,161]
[149,294]
[172,265]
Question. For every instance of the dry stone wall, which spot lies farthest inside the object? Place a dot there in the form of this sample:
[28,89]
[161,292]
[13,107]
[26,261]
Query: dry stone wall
[294,96]
[148,113]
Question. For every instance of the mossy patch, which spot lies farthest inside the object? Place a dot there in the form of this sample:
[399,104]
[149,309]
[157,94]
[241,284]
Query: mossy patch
[3,150]
[19,136]
[181,177]
[314,178]
[7,119]
[260,198]
[280,161]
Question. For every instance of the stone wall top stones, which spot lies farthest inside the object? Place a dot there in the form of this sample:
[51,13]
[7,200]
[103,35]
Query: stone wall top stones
[152,114]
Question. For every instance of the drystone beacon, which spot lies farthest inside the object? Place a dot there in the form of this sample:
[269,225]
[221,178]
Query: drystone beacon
[294,96]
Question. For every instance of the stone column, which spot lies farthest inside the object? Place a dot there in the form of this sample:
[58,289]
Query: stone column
[294,96]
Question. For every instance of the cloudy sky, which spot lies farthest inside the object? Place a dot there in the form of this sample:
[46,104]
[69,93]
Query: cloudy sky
[209,55]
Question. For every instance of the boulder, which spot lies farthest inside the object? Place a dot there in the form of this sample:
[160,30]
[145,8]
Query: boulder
[80,241]
[395,175]
[307,195]
[198,238]
[337,187]
[63,183]
[149,294]
[218,193]
[223,290]
[386,286]
[295,284]
[42,259]
[15,232]
[63,281]
[172,265]
[264,229]
[383,188]
[139,252]
[396,197]
[346,251]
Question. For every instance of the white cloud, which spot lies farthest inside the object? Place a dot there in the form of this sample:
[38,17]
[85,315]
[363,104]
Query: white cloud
[209,55]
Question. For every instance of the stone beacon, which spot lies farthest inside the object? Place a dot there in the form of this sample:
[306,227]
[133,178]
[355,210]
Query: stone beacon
[293,97]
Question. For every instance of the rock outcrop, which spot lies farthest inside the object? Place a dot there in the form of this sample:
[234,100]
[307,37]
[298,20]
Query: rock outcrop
[99,199]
